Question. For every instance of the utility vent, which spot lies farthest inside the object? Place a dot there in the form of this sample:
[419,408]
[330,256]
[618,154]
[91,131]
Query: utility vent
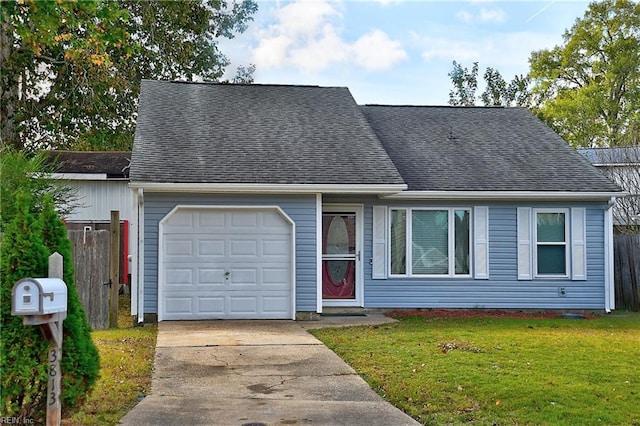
[452,136]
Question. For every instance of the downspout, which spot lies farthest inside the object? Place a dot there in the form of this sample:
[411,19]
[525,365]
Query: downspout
[609,287]
[133,255]
[140,271]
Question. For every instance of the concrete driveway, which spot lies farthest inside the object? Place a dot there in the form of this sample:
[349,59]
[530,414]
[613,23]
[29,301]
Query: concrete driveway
[255,373]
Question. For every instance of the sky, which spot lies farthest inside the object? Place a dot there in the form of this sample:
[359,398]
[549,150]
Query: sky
[395,52]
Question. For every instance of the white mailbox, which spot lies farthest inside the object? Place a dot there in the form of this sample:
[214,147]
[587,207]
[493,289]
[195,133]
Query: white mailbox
[38,296]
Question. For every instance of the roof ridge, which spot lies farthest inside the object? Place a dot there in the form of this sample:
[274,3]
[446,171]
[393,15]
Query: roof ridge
[443,106]
[218,83]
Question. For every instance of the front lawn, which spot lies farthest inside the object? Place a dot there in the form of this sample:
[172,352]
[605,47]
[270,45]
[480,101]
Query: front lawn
[126,361]
[501,371]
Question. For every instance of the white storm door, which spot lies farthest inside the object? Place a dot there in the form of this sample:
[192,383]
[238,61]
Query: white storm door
[342,255]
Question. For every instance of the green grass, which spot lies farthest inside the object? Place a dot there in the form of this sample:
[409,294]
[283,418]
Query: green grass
[501,371]
[126,360]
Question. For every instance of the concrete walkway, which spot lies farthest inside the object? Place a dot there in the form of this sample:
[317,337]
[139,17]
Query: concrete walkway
[257,373]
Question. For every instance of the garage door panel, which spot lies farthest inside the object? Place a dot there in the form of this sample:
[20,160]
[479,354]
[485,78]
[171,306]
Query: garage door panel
[275,247]
[244,220]
[244,305]
[275,276]
[184,221]
[211,305]
[178,305]
[211,247]
[240,276]
[178,277]
[275,304]
[248,248]
[179,247]
[211,276]
[211,219]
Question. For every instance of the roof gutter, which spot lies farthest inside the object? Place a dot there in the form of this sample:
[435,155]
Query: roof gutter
[83,176]
[504,195]
[270,188]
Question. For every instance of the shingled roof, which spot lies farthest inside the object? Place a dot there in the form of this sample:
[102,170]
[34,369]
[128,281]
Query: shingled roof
[265,134]
[480,149]
[113,164]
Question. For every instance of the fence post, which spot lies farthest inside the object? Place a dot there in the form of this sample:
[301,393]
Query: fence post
[114,268]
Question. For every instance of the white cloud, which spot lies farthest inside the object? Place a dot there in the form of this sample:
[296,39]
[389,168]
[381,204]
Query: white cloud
[445,48]
[492,15]
[464,16]
[375,51]
[307,35]
[485,15]
[490,50]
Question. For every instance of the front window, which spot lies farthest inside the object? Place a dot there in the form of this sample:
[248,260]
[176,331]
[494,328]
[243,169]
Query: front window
[551,243]
[430,242]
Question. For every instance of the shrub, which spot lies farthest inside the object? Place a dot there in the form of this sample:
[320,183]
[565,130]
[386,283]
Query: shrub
[80,359]
[23,351]
[26,245]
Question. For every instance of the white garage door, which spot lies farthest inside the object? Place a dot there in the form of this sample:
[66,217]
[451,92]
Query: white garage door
[231,263]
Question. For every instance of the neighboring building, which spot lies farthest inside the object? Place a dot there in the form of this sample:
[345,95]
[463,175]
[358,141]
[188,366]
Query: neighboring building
[100,181]
[622,165]
[266,201]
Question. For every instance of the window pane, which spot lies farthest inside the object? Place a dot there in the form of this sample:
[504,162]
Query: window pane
[430,242]
[552,260]
[398,241]
[551,227]
[339,233]
[462,241]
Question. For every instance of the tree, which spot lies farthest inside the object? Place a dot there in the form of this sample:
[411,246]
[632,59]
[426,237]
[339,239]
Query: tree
[30,174]
[496,93]
[499,93]
[56,68]
[71,70]
[23,351]
[465,84]
[588,88]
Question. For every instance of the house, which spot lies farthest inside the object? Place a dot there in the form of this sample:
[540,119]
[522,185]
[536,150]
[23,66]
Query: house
[622,165]
[268,201]
[100,183]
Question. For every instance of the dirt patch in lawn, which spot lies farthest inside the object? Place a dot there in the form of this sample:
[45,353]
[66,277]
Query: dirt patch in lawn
[476,313]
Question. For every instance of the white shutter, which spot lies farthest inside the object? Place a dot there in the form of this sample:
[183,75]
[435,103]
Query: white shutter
[524,244]
[578,244]
[481,242]
[379,252]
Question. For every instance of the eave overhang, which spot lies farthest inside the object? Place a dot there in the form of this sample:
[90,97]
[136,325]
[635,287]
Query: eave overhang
[504,195]
[83,176]
[255,188]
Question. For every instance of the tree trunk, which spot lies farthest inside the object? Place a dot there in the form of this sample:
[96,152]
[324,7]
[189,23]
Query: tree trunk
[8,90]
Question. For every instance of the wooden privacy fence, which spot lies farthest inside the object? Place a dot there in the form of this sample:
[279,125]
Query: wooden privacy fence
[91,264]
[626,253]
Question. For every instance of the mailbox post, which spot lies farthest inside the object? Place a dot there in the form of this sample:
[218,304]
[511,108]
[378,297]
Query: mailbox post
[43,302]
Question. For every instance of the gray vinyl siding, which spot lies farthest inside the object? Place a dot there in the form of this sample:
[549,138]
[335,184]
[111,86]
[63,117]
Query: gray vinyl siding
[502,290]
[300,208]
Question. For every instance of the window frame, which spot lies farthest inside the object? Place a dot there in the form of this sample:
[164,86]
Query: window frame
[566,243]
[451,238]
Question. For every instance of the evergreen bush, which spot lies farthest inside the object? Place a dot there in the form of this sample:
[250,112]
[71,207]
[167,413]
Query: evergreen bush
[23,351]
[80,358]
[25,247]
